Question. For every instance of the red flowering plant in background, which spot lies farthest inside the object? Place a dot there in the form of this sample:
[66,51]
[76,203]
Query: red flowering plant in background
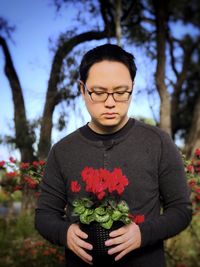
[192,169]
[16,175]
[31,249]
[103,204]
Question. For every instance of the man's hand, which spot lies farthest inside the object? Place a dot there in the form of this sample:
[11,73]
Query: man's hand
[124,240]
[76,243]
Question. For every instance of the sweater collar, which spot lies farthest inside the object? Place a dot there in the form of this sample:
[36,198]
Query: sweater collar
[89,134]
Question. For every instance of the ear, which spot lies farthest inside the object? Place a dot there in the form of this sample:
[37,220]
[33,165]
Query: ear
[81,87]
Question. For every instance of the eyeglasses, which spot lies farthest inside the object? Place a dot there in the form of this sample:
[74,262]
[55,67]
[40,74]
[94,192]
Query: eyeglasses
[97,95]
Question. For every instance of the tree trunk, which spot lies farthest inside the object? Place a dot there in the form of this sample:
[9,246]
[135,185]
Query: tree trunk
[52,93]
[118,22]
[193,138]
[23,139]
[181,76]
[161,36]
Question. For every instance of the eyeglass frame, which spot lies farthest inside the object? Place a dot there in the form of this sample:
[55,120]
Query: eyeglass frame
[90,94]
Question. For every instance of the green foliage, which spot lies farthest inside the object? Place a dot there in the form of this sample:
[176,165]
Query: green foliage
[105,214]
[20,176]
[183,250]
[20,245]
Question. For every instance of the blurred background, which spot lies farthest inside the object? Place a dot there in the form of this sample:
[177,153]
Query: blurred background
[41,45]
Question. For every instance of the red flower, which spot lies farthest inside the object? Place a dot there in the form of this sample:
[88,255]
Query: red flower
[11,174]
[75,186]
[192,183]
[35,164]
[31,183]
[100,180]
[197,190]
[46,253]
[101,195]
[198,197]
[2,163]
[41,162]
[197,152]
[12,160]
[52,250]
[60,258]
[190,168]
[24,165]
[197,169]
[139,219]
[101,183]
[136,218]
[18,187]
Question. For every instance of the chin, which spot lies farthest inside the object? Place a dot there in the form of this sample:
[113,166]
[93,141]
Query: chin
[110,122]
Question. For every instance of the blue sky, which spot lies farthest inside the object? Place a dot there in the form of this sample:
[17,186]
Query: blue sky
[37,21]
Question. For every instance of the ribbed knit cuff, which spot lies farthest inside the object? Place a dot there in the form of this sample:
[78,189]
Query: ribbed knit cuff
[145,234]
[63,233]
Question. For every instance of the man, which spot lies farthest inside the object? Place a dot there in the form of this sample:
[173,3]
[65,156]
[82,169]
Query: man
[146,155]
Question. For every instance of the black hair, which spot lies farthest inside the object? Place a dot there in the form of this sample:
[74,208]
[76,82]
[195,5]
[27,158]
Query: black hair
[109,52]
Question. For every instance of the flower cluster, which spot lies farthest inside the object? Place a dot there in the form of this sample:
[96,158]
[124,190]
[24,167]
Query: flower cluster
[15,175]
[192,169]
[103,204]
[34,249]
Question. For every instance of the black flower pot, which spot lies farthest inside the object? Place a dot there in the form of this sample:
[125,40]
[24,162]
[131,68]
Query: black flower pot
[97,235]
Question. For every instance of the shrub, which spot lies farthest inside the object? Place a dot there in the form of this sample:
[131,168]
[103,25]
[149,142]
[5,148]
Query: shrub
[183,250]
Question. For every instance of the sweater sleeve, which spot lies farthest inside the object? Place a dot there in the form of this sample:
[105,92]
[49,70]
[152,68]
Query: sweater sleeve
[174,194]
[49,214]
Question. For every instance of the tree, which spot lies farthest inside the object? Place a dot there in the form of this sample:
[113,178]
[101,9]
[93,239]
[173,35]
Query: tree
[161,20]
[156,22]
[149,24]
[24,139]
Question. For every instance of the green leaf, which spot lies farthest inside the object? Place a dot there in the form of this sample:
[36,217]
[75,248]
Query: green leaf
[100,211]
[116,215]
[125,219]
[101,218]
[77,202]
[108,224]
[79,209]
[123,206]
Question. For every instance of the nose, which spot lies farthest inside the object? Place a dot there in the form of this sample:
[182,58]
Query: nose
[110,102]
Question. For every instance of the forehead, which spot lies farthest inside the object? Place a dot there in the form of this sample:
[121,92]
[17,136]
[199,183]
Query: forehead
[108,71]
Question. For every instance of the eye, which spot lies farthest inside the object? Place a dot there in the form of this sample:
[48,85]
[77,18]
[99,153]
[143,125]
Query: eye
[120,92]
[98,93]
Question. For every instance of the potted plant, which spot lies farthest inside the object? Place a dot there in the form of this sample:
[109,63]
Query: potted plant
[102,210]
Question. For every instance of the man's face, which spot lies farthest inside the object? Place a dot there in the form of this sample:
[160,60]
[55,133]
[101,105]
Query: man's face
[110,77]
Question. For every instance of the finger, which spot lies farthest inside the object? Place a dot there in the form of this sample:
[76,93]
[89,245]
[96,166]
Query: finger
[117,240]
[79,241]
[118,232]
[81,234]
[83,255]
[76,241]
[119,248]
[122,254]
[76,245]
[83,244]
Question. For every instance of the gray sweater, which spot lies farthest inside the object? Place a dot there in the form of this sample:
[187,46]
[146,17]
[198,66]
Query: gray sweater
[157,186]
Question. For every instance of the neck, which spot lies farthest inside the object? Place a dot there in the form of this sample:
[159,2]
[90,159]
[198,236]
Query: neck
[101,129]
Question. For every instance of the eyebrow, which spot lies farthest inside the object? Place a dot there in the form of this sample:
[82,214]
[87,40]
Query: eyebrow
[106,89]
